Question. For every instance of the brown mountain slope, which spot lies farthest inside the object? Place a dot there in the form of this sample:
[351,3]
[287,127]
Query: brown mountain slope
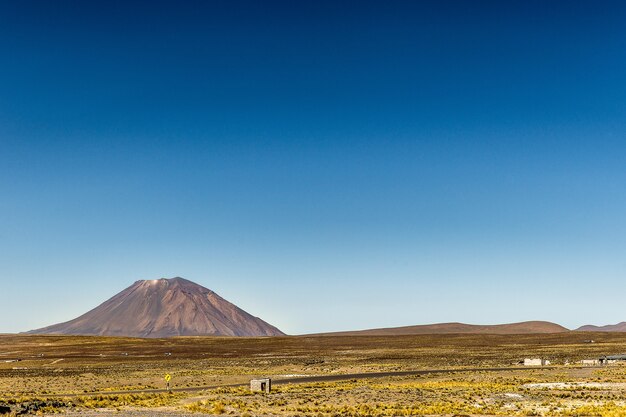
[164,308]
[619,327]
[526,327]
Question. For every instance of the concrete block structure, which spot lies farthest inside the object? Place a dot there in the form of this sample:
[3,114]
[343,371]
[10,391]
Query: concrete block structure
[613,359]
[536,362]
[261,385]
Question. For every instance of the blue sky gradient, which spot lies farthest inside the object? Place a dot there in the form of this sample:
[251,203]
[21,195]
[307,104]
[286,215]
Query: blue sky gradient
[395,163]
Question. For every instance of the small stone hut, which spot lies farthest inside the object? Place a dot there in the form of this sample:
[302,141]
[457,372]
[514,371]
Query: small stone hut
[261,385]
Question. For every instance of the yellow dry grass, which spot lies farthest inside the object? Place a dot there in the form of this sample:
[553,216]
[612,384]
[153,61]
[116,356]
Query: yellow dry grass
[89,366]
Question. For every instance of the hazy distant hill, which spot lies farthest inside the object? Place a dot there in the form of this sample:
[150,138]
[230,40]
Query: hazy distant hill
[164,308]
[526,327]
[619,327]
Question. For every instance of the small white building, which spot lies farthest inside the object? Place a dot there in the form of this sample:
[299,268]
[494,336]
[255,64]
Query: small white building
[613,359]
[590,362]
[536,362]
[261,385]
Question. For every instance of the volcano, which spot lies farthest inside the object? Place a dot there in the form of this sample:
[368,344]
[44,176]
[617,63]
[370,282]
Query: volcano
[164,308]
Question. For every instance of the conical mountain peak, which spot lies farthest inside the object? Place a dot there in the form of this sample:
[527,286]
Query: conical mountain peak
[163,308]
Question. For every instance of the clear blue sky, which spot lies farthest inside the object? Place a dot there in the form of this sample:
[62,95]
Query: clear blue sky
[324,165]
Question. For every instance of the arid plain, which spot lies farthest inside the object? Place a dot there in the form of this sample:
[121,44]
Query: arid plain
[474,375]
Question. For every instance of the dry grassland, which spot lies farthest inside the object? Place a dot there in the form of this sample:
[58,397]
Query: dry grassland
[87,367]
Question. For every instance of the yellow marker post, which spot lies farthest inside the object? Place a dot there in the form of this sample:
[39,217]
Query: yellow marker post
[168,377]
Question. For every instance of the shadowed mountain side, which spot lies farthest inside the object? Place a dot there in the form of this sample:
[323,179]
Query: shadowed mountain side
[165,308]
[619,327]
[526,327]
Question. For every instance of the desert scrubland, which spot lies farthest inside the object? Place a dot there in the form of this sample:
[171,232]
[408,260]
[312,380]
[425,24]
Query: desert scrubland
[70,374]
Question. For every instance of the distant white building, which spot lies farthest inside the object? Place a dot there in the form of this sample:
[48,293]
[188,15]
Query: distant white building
[613,359]
[536,362]
[590,362]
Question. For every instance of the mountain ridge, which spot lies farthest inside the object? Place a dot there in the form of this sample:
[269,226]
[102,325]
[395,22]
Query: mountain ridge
[525,327]
[179,307]
[619,327]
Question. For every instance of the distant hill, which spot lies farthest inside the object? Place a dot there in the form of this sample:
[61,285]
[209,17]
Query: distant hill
[165,308]
[619,327]
[526,327]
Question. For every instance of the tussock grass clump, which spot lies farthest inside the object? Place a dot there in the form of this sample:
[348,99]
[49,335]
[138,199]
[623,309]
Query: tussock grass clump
[207,407]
